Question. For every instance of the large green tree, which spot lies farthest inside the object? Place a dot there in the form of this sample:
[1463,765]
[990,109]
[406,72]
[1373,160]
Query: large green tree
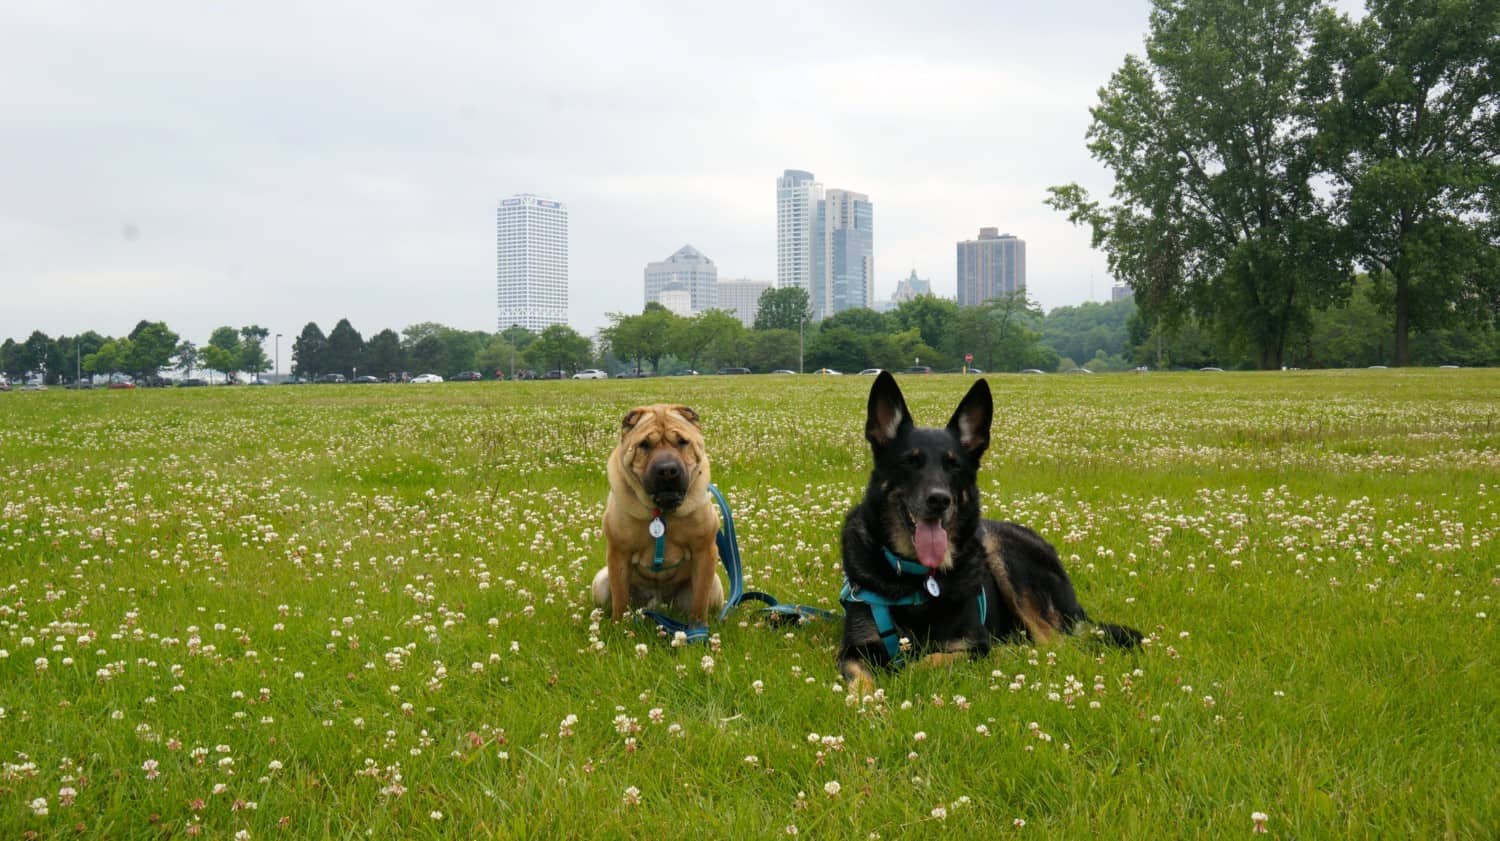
[187,357]
[558,348]
[1001,335]
[112,357]
[40,356]
[783,309]
[930,316]
[642,338]
[345,348]
[693,340]
[309,352]
[222,353]
[383,354]
[153,345]
[253,359]
[1211,146]
[1411,117]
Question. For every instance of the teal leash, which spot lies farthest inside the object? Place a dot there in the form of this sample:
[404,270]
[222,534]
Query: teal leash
[729,556]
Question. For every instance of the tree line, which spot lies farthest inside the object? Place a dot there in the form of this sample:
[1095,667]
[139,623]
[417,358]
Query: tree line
[1274,159]
[1007,335]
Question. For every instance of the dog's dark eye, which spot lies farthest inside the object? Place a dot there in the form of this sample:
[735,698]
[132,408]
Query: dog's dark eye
[950,461]
[644,446]
[682,443]
[912,459]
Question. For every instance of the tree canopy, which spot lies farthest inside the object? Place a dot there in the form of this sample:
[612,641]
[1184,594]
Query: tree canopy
[1210,144]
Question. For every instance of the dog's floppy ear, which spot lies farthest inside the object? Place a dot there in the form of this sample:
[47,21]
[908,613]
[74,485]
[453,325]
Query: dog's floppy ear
[632,417]
[887,416]
[970,423]
[686,414]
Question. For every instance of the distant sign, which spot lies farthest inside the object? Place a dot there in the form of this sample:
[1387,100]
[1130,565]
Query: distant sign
[544,203]
[510,202]
[968,357]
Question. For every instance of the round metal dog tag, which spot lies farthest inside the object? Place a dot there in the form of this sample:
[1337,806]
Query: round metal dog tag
[657,528]
[932,587]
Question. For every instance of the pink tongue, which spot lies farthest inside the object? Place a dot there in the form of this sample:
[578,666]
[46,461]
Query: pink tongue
[932,543]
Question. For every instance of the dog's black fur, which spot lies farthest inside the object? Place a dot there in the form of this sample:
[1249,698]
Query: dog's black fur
[924,487]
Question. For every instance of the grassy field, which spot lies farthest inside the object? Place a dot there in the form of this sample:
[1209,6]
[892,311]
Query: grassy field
[359,612]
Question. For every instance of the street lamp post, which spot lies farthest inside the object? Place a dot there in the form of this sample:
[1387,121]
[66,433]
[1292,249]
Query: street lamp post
[277,375]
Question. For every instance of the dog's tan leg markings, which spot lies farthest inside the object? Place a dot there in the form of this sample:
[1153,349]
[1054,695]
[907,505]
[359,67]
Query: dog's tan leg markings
[859,678]
[953,651]
[1042,627]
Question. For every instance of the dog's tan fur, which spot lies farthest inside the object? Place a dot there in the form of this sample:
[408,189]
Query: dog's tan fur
[689,581]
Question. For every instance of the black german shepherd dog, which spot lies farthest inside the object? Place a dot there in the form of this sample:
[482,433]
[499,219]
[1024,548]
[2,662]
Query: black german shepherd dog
[921,564]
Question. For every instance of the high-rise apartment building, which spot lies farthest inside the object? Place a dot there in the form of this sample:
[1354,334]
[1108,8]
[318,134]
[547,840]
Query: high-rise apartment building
[692,271]
[797,196]
[741,298]
[531,276]
[990,267]
[843,274]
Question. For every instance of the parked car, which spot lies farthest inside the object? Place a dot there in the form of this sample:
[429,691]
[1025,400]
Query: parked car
[191,382]
[80,384]
[919,369]
[1212,369]
[1032,371]
[468,376]
[257,381]
[121,385]
[784,371]
[366,378]
[870,372]
[734,370]
[685,372]
[1078,371]
[294,381]
[829,372]
[553,375]
[591,374]
[633,374]
[331,378]
[427,378]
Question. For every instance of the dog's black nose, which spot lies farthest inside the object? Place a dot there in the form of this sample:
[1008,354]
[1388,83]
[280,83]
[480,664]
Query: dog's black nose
[938,501]
[666,471]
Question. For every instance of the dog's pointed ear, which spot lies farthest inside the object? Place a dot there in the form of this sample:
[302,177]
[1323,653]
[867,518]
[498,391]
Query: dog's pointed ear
[632,417]
[970,423]
[687,414]
[887,417]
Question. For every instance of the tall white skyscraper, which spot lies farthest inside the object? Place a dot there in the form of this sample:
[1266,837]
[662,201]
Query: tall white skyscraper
[531,276]
[797,196]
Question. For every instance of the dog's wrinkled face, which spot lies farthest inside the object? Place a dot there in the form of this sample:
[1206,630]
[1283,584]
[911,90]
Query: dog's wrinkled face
[927,476]
[662,446]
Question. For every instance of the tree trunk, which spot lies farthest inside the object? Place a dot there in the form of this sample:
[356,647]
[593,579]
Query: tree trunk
[1270,358]
[1403,319]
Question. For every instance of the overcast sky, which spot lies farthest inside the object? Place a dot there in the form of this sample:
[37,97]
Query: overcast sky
[210,163]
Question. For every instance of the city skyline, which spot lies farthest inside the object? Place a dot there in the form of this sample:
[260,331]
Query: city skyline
[210,165]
